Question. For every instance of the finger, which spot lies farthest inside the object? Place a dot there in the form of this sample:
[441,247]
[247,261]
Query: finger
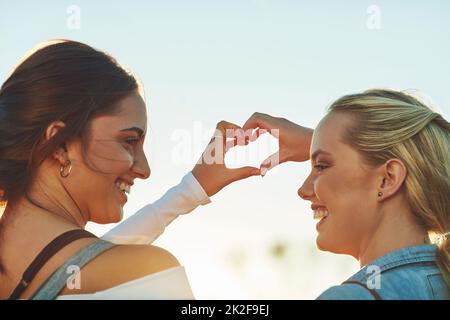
[244,172]
[224,125]
[257,120]
[231,130]
[270,162]
[251,135]
[226,130]
[241,137]
[234,132]
[256,134]
[238,140]
[234,137]
[230,144]
[264,123]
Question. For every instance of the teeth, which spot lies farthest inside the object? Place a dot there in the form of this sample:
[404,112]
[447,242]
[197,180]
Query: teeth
[123,186]
[320,213]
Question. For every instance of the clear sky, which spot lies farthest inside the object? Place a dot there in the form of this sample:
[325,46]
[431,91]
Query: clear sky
[206,61]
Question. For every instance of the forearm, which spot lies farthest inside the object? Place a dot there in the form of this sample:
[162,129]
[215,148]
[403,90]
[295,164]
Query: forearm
[149,222]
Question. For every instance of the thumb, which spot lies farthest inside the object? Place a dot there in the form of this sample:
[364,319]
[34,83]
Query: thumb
[244,172]
[270,162]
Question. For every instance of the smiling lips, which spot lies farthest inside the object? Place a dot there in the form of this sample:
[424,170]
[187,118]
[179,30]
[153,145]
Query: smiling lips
[320,212]
[123,186]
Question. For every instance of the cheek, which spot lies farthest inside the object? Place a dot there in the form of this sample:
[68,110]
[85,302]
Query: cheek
[110,157]
[339,188]
[335,195]
[347,198]
[329,189]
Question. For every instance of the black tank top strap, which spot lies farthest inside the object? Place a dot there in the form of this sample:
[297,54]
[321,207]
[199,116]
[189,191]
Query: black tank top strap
[49,251]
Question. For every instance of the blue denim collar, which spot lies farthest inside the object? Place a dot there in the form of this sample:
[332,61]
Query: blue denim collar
[398,258]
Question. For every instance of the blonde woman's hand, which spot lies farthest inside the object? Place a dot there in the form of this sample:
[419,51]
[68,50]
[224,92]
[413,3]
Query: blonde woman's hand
[210,171]
[294,140]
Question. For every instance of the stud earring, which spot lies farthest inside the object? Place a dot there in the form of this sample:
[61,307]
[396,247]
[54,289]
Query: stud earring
[380,194]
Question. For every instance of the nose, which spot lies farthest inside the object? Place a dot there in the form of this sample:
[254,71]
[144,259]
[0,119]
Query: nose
[306,191]
[141,167]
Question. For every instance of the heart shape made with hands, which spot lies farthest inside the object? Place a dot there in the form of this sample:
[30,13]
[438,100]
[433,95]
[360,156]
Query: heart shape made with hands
[253,154]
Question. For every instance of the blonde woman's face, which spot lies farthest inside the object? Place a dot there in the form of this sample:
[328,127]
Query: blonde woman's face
[115,154]
[343,185]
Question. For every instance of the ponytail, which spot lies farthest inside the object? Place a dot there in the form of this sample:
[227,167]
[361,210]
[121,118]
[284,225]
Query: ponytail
[443,257]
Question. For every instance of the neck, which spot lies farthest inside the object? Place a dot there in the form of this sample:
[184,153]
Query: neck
[34,210]
[68,214]
[49,194]
[397,230]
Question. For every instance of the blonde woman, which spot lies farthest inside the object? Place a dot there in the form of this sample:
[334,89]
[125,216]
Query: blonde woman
[380,185]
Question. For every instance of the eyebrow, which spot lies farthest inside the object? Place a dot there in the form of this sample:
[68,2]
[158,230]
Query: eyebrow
[139,131]
[317,152]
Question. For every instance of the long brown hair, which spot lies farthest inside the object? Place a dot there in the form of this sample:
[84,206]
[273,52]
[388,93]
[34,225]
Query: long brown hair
[64,81]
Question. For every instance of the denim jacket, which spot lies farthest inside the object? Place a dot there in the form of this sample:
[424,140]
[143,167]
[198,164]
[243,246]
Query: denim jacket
[406,274]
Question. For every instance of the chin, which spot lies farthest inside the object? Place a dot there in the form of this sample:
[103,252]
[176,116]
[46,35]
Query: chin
[330,246]
[117,216]
[323,245]
[112,216]
[320,244]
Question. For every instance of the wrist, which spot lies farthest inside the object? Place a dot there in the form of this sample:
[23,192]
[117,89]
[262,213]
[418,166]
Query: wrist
[190,182]
[304,139]
[202,180]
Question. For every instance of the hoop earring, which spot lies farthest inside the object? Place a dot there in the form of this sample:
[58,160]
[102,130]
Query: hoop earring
[63,167]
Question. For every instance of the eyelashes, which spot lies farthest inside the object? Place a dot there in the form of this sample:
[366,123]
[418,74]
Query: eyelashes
[132,141]
[320,167]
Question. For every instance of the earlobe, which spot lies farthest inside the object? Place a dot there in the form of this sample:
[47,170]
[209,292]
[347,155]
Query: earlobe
[380,193]
[395,174]
[61,155]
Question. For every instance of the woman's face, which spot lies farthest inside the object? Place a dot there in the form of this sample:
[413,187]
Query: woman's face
[342,186]
[114,158]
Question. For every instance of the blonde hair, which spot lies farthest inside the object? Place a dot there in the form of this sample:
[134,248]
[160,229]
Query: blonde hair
[392,124]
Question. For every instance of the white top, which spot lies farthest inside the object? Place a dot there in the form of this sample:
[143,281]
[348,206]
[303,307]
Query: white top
[144,227]
[170,284]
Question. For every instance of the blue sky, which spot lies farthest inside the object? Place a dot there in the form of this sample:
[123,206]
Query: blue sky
[204,61]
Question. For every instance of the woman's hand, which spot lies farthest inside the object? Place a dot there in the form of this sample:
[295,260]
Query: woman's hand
[294,140]
[210,170]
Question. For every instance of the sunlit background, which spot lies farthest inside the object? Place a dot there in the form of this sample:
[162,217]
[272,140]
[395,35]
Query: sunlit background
[205,61]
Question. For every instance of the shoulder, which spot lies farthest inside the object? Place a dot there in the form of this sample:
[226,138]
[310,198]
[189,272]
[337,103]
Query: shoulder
[141,258]
[347,291]
[121,264]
